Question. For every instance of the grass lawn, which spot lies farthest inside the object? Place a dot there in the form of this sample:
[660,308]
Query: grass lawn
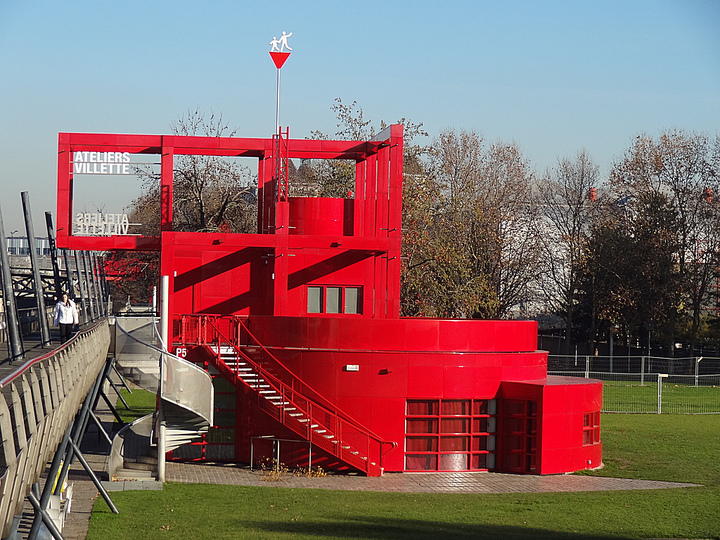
[678,448]
[141,403]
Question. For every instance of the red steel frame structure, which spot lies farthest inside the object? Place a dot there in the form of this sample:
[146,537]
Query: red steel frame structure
[310,304]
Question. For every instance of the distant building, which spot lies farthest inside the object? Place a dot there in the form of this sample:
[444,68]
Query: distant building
[19,245]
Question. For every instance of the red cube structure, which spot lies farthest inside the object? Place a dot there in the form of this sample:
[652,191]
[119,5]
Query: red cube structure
[300,324]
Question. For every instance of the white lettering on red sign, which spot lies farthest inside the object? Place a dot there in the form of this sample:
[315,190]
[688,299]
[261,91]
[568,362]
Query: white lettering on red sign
[101,163]
[96,224]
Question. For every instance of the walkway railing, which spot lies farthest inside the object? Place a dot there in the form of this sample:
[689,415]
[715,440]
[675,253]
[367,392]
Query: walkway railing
[38,403]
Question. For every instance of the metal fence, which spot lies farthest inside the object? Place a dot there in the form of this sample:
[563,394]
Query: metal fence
[686,365]
[28,321]
[655,392]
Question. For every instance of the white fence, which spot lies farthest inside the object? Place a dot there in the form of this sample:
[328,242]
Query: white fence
[655,392]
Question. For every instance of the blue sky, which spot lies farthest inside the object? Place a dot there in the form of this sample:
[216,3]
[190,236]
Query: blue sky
[554,77]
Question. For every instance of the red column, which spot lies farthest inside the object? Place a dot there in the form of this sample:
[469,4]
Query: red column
[395,219]
[359,204]
[166,185]
[65,191]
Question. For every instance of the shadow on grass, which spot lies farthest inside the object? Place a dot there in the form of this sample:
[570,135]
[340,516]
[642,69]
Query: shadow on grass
[396,529]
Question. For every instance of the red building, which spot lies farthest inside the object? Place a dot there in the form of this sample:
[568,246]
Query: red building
[301,324]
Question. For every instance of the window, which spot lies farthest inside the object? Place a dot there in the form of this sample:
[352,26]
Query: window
[352,300]
[315,299]
[334,299]
[450,435]
[591,428]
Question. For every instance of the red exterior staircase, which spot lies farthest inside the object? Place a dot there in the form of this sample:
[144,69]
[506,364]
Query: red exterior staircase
[282,394]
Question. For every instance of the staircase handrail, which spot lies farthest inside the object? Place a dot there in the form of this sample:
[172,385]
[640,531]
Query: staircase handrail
[317,400]
[207,414]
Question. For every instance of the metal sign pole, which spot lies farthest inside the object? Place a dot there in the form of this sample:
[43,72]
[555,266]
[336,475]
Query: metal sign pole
[277,104]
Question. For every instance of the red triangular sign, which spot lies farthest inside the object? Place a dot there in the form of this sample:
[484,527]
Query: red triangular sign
[279,58]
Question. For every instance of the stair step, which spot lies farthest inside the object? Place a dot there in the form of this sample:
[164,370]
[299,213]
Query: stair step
[139,466]
[147,459]
[131,474]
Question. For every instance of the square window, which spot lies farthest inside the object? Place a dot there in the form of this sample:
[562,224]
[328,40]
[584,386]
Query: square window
[450,444]
[484,406]
[416,408]
[422,425]
[453,462]
[422,462]
[421,444]
[455,425]
[455,407]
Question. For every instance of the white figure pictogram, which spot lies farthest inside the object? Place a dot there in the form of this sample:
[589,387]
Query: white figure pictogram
[279,45]
[283,41]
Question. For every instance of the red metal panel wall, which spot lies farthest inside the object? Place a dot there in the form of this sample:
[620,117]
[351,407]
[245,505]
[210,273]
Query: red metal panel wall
[321,216]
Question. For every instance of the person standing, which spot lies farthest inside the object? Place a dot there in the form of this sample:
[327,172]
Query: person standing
[66,316]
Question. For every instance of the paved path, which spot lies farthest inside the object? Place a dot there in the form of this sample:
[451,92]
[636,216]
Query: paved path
[457,482]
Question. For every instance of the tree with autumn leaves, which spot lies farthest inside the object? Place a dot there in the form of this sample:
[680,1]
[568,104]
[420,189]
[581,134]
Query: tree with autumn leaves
[654,249]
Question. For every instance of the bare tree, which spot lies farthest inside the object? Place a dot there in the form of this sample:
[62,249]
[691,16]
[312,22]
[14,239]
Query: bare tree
[566,198]
[336,178]
[210,193]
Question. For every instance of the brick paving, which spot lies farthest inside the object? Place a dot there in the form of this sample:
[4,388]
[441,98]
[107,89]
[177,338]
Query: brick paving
[455,482]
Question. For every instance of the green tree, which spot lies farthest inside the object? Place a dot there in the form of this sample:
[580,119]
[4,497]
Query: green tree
[684,168]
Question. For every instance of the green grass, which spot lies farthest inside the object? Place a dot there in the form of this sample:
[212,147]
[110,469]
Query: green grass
[678,448]
[620,396]
[141,402]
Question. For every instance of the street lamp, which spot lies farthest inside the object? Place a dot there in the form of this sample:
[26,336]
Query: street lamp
[12,249]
